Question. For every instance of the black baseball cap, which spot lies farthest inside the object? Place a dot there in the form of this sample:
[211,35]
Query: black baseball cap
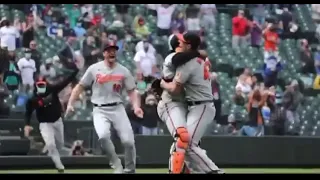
[111,45]
[190,38]
[72,33]
[174,42]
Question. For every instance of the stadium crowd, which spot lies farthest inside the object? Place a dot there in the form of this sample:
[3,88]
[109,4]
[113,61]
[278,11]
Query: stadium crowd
[142,33]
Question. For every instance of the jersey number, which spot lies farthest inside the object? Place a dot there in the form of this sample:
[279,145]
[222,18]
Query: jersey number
[206,72]
[116,88]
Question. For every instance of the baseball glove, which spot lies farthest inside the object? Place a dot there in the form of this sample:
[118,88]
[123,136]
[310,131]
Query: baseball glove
[155,88]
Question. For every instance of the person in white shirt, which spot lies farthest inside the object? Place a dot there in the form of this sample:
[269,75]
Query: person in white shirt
[48,71]
[27,67]
[140,46]
[208,12]
[164,16]
[146,61]
[8,35]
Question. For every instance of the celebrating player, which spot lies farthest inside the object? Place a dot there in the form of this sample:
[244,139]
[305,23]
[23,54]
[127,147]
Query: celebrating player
[195,78]
[48,108]
[107,79]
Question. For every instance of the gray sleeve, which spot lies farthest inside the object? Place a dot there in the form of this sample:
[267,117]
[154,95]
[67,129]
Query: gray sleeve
[185,73]
[129,81]
[87,79]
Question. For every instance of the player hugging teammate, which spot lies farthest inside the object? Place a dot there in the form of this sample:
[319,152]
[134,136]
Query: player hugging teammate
[186,105]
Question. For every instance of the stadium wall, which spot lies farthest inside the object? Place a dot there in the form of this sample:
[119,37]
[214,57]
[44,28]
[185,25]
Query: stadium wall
[153,151]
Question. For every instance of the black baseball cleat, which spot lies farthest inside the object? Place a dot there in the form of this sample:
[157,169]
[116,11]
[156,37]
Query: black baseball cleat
[61,171]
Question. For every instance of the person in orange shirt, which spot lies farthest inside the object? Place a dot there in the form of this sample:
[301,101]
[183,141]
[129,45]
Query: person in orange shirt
[271,42]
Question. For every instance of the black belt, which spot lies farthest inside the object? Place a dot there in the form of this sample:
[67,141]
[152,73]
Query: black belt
[193,103]
[105,105]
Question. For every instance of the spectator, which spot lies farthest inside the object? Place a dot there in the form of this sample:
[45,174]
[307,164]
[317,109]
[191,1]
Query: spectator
[145,61]
[74,15]
[152,9]
[87,9]
[271,40]
[28,28]
[238,98]
[254,127]
[17,24]
[141,29]
[78,149]
[4,60]
[208,12]
[47,71]
[243,85]
[12,75]
[285,20]
[27,67]
[90,52]
[134,120]
[8,35]
[306,58]
[315,10]
[35,54]
[292,98]
[216,95]
[239,30]
[256,35]
[193,21]
[316,84]
[277,114]
[47,14]
[4,108]
[141,83]
[103,41]
[118,22]
[66,27]
[67,54]
[164,16]
[259,14]
[144,42]
[203,44]
[178,22]
[150,117]
[52,30]
[271,67]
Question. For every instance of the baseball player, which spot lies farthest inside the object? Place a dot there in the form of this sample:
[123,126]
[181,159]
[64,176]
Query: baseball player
[107,79]
[172,108]
[195,77]
[46,104]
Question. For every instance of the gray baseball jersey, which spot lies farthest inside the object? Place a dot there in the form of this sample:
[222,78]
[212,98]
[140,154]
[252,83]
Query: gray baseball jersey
[107,87]
[197,86]
[107,84]
[168,72]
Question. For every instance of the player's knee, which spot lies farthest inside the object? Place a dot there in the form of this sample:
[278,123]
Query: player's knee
[51,146]
[128,142]
[183,138]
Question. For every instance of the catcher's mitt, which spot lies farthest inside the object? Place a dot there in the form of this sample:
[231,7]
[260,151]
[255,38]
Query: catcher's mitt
[155,88]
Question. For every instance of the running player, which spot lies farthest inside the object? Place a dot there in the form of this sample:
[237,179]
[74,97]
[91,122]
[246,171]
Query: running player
[107,79]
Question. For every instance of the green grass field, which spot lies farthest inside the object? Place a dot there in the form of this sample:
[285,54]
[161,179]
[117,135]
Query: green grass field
[163,171]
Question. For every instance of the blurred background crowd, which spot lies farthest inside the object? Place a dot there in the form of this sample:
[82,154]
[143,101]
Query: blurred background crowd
[265,58]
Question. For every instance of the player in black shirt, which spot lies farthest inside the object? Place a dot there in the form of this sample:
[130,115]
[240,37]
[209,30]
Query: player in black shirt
[46,103]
